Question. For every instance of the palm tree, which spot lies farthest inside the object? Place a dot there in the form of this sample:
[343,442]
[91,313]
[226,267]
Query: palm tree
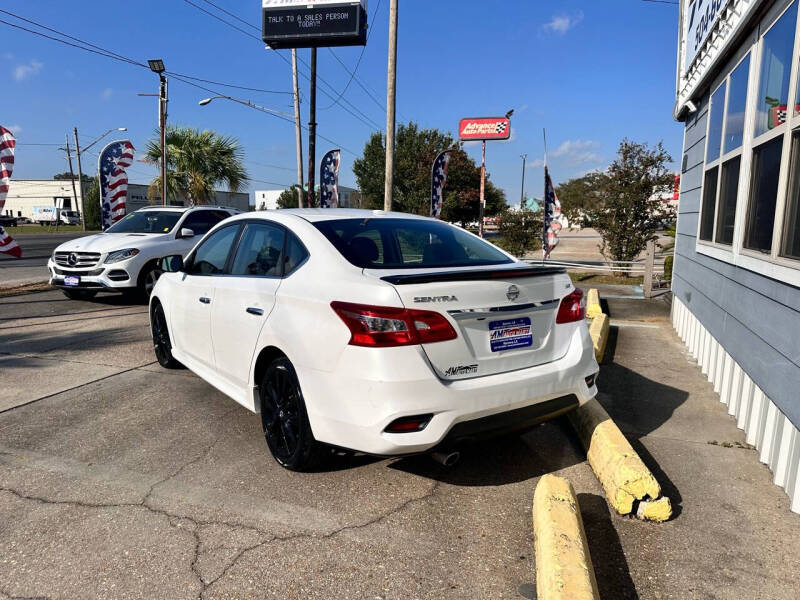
[197,161]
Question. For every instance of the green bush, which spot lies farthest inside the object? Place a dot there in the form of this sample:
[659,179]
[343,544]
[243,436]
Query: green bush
[668,260]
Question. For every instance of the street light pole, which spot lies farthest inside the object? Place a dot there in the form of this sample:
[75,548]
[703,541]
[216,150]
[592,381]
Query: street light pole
[391,97]
[524,157]
[157,66]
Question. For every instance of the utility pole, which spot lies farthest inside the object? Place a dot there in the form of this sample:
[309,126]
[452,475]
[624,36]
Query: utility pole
[312,127]
[80,177]
[391,95]
[71,178]
[163,98]
[483,186]
[524,157]
[298,132]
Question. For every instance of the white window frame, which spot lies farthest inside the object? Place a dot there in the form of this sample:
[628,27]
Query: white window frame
[771,265]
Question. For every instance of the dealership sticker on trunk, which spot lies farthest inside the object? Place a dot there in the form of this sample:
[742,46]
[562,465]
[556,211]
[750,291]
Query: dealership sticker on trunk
[510,333]
[72,280]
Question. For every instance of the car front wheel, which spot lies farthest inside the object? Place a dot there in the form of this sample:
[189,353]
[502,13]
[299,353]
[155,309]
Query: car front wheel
[285,420]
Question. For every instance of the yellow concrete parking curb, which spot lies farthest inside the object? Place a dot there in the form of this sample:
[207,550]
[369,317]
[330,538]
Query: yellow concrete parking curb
[599,330]
[624,476]
[563,564]
[593,308]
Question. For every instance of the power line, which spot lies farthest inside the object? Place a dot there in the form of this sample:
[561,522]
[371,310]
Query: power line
[662,2]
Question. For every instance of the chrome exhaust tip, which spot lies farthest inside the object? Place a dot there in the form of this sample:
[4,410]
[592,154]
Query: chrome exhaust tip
[447,459]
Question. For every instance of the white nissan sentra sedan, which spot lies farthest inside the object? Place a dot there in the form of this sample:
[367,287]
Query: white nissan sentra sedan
[384,333]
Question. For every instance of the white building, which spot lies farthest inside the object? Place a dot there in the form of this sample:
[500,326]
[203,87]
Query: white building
[268,199]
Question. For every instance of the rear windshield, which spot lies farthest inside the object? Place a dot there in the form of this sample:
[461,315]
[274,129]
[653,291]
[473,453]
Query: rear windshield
[146,221]
[408,244]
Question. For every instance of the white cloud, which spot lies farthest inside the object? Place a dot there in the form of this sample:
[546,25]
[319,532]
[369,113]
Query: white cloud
[15,129]
[24,71]
[537,163]
[107,93]
[560,24]
[578,152]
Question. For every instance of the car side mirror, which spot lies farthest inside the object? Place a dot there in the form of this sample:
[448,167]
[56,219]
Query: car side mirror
[185,233]
[172,263]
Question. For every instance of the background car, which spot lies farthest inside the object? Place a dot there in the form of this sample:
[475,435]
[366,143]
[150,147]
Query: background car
[124,258]
[383,333]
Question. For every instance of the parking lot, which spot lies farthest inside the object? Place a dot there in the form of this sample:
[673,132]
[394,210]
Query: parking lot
[119,479]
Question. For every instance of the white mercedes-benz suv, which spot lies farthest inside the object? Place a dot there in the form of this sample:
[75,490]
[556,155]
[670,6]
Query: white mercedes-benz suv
[124,258]
[384,333]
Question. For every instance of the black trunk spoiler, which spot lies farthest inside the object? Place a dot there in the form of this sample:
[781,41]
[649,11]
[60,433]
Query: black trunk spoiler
[475,275]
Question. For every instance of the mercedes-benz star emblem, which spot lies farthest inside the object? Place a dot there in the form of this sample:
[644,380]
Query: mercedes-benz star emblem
[512,293]
[72,259]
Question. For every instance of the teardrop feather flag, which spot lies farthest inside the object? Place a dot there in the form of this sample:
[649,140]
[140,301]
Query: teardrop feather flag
[7,145]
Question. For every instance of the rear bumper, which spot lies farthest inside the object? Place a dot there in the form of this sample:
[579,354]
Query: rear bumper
[349,410]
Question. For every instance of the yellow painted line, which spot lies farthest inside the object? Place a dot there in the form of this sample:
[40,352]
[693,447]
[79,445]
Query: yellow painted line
[598,331]
[623,475]
[563,564]
[593,308]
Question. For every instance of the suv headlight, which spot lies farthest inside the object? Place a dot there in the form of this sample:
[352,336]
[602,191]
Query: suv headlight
[119,255]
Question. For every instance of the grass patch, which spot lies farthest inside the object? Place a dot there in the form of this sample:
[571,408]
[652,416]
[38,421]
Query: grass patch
[39,230]
[26,288]
[593,278]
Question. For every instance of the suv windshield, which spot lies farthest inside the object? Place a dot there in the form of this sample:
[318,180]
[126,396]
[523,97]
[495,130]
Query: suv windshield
[408,244]
[146,221]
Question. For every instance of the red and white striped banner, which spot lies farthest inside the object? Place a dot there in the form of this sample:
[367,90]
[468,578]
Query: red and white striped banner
[7,145]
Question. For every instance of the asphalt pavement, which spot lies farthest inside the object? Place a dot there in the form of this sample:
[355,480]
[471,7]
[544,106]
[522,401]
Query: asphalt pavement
[119,479]
[36,250]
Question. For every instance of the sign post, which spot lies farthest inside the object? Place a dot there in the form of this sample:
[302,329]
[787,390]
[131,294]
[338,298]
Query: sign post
[484,128]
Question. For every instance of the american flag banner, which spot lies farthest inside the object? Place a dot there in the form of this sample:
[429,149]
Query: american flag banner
[114,159]
[329,179]
[7,145]
[552,216]
[438,181]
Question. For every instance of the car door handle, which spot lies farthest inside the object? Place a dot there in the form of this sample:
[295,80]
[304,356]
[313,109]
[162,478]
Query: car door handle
[205,300]
[255,311]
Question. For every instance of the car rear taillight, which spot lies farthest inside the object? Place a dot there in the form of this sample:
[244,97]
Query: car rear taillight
[571,308]
[384,326]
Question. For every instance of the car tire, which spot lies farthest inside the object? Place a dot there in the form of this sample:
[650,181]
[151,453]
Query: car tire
[80,294]
[162,345]
[148,277]
[284,419]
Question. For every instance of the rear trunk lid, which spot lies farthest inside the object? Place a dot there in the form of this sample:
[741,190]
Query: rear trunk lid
[504,317]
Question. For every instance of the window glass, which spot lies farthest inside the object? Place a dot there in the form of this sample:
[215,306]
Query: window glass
[259,251]
[726,211]
[791,236]
[737,99]
[709,200]
[763,195]
[146,221]
[773,79]
[295,254]
[202,221]
[211,256]
[408,243]
[715,123]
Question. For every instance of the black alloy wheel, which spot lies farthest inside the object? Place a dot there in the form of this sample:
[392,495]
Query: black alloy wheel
[161,342]
[285,420]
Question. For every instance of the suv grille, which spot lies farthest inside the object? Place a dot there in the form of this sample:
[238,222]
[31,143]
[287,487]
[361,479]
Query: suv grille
[77,260]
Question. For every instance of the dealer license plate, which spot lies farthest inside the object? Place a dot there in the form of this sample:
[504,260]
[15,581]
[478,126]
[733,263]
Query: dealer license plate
[510,333]
[72,280]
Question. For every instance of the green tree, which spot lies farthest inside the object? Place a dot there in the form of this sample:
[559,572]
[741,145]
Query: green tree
[520,231]
[197,162]
[288,198]
[415,151]
[629,210]
[91,204]
[579,196]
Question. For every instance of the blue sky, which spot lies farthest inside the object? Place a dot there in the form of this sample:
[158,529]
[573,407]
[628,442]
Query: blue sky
[589,72]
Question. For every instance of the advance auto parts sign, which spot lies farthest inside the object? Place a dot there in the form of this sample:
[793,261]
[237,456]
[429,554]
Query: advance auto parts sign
[313,23]
[484,128]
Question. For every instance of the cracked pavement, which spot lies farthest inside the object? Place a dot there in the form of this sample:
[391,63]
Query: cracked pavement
[119,479]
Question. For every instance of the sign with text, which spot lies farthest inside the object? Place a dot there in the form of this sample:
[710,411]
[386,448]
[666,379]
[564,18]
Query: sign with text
[703,16]
[313,23]
[484,128]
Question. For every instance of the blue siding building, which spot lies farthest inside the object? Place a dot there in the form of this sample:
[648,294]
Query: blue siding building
[736,279]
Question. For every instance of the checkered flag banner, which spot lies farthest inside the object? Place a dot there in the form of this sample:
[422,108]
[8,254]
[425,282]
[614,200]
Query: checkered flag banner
[114,159]
[438,180]
[329,179]
[501,127]
[7,145]
[552,216]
